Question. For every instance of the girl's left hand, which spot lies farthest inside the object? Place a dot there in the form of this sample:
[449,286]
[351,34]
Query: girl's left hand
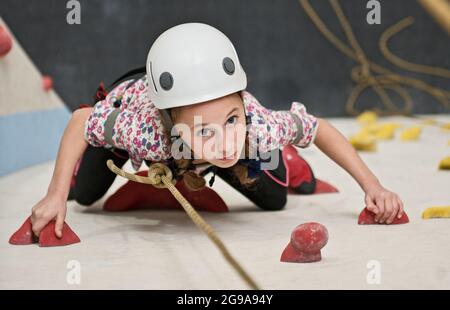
[385,204]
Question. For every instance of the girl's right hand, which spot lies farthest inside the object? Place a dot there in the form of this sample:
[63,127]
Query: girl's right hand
[51,207]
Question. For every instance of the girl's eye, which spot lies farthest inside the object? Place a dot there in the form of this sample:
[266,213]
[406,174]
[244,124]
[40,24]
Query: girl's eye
[232,120]
[205,132]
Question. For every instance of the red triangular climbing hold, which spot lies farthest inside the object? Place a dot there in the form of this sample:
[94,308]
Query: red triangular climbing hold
[301,175]
[368,218]
[48,238]
[134,196]
[300,171]
[323,187]
[24,235]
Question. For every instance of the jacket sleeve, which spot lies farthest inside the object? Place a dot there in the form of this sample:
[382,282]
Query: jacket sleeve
[135,126]
[272,129]
[141,133]
[308,125]
[94,127]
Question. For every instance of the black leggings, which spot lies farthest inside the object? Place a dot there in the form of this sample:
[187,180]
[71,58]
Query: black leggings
[94,179]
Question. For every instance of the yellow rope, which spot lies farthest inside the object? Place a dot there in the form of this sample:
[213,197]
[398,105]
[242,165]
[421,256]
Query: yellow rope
[393,30]
[364,78]
[362,74]
[159,175]
[439,10]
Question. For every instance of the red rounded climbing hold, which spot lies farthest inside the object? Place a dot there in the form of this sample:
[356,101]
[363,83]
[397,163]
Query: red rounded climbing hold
[306,242]
[5,42]
[368,218]
[47,83]
[309,237]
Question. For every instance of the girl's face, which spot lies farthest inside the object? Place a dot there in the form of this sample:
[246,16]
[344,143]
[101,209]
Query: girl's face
[214,130]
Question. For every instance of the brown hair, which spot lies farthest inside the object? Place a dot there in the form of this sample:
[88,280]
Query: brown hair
[194,181]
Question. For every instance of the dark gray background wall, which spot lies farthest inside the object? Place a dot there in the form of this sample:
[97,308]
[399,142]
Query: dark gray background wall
[284,55]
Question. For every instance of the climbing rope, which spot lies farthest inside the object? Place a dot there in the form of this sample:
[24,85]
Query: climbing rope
[439,10]
[160,176]
[362,74]
[393,30]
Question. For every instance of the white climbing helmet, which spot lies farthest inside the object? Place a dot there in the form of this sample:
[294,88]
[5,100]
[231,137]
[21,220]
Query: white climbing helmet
[192,63]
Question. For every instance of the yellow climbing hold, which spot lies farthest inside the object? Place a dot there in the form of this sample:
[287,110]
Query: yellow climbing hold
[411,133]
[383,131]
[429,121]
[363,142]
[444,164]
[370,129]
[446,126]
[366,138]
[436,212]
[367,117]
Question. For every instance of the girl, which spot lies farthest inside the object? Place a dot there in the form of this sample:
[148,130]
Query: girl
[191,112]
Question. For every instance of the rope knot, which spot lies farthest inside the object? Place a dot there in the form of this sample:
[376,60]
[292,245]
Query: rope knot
[155,173]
